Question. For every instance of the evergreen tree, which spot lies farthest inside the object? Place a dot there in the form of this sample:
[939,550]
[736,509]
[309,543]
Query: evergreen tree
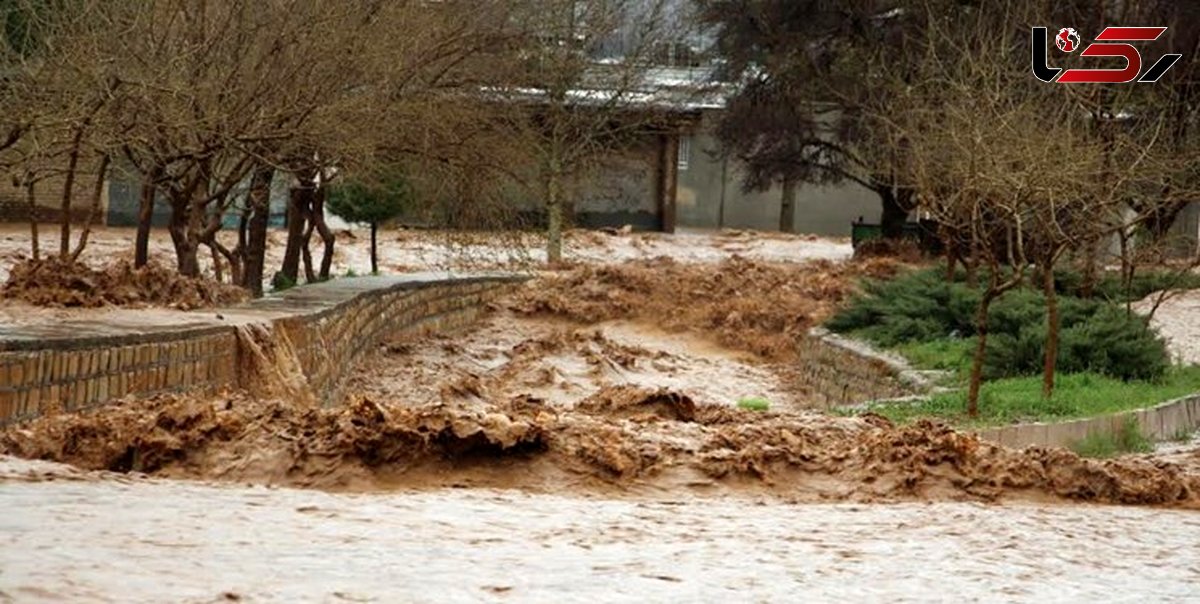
[371,202]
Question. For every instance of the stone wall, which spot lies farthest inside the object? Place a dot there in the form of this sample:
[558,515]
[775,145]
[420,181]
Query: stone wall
[843,371]
[1161,422]
[70,366]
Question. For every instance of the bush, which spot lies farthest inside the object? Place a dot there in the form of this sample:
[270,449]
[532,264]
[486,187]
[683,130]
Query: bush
[1115,344]
[1109,286]
[916,307]
[1095,335]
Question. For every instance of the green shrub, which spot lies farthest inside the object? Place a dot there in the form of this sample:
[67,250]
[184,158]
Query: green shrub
[281,282]
[921,307]
[1115,344]
[754,403]
[1109,287]
[917,307]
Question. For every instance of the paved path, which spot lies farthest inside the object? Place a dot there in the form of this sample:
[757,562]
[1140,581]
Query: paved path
[142,324]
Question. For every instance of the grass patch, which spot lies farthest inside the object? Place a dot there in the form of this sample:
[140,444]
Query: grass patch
[1019,400]
[281,282]
[944,354]
[754,403]
[1129,439]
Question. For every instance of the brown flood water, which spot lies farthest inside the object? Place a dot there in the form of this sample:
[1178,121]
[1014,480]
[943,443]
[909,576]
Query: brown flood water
[88,538]
[606,463]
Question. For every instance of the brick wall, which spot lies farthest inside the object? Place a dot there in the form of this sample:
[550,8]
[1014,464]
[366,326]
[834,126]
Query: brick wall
[14,205]
[330,344]
[19,211]
[329,333]
[70,378]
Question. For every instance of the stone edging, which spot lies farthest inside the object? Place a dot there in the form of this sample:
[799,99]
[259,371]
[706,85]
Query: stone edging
[917,380]
[1160,422]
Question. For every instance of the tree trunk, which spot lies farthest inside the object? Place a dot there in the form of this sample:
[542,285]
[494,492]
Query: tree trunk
[787,206]
[327,238]
[971,264]
[187,260]
[554,214]
[1091,271]
[310,276]
[981,329]
[297,216]
[894,215]
[94,208]
[145,215]
[256,236]
[31,198]
[218,272]
[186,257]
[64,243]
[374,252]
[1051,358]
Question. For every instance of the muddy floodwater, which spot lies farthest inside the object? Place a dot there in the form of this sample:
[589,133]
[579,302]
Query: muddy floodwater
[582,443]
[80,537]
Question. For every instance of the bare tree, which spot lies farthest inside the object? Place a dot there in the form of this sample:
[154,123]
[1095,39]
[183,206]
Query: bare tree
[585,78]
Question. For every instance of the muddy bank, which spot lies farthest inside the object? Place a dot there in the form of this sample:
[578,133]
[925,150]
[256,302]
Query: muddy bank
[624,440]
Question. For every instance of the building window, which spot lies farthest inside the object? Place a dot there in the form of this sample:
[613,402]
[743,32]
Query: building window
[685,152]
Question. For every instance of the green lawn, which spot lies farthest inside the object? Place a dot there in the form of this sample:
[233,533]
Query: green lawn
[1016,400]
[945,354]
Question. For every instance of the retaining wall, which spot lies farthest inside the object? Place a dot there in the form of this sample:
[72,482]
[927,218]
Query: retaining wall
[849,372]
[79,364]
[842,371]
[1163,421]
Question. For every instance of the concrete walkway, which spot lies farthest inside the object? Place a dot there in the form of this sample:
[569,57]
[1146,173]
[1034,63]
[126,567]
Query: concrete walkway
[119,326]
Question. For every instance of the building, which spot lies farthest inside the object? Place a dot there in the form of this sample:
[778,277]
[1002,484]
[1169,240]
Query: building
[701,188]
[710,193]
[123,196]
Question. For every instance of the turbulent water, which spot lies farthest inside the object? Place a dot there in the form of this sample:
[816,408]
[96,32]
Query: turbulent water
[606,462]
[80,537]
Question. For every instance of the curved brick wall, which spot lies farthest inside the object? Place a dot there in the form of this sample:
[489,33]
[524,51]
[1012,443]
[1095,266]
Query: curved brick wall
[78,364]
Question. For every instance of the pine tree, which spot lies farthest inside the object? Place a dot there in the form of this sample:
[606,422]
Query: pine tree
[371,202]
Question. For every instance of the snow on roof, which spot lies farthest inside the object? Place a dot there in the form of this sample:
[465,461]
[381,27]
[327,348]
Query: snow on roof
[681,89]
